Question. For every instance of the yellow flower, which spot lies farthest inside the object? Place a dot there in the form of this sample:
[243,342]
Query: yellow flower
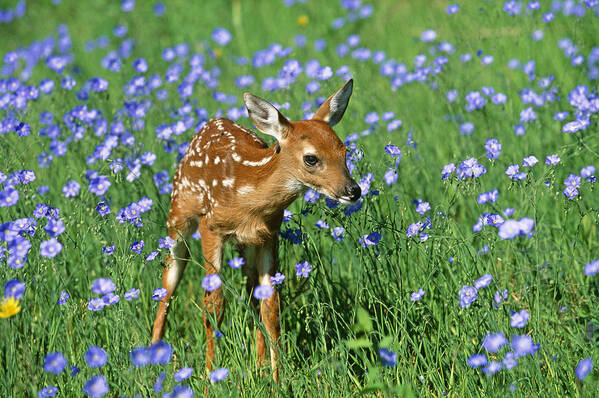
[9,307]
[302,20]
[218,52]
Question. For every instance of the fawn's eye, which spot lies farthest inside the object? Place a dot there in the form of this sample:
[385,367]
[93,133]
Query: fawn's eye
[310,160]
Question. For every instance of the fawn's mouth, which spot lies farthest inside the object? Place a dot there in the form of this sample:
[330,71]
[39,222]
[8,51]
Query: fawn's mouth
[346,200]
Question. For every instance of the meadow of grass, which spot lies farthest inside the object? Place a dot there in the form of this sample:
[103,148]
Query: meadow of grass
[353,325]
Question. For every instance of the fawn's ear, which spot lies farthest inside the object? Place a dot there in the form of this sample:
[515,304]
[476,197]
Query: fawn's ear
[266,117]
[332,110]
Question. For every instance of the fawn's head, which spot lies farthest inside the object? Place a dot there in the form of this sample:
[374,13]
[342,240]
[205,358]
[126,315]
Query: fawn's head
[311,153]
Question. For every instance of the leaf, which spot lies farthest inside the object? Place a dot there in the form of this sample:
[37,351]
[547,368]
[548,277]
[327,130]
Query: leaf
[372,388]
[587,227]
[386,342]
[404,392]
[358,343]
[364,322]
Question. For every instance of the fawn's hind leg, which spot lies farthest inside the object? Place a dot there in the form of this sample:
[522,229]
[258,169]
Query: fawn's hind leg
[212,249]
[262,263]
[173,271]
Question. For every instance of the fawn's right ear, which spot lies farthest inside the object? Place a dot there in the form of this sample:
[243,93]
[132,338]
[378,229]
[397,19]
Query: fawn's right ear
[332,110]
[266,117]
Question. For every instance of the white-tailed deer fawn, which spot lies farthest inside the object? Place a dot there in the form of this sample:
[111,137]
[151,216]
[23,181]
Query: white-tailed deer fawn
[234,187]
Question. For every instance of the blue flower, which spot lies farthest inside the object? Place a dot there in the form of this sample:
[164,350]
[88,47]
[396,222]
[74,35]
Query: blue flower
[55,363]
[50,248]
[103,286]
[583,368]
[391,176]
[221,36]
[428,36]
[591,268]
[160,353]
[414,229]
[137,246]
[510,360]
[512,228]
[182,374]
[277,279]
[388,357]
[392,150]
[519,319]
[152,256]
[467,295]
[492,368]
[452,9]
[494,341]
[263,292]
[477,360]
[529,161]
[552,160]
[211,282]
[103,209]
[370,239]
[236,262]
[132,294]
[96,387]
[337,233]
[71,189]
[499,297]
[64,296]
[303,269]
[159,381]
[159,293]
[182,391]
[493,148]
[523,345]
[99,185]
[96,304]
[417,295]
[9,197]
[48,391]
[140,356]
[422,207]
[219,375]
[96,357]
[14,288]
[483,281]
[311,196]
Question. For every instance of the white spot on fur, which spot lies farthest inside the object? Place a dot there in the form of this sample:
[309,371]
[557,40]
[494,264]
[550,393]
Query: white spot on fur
[217,160]
[185,182]
[196,163]
[228,182]
[261,162]
[246,189]
[236,157]
[214,182]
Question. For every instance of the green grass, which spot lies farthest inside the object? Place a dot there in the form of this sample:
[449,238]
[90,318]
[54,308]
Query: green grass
[356,299]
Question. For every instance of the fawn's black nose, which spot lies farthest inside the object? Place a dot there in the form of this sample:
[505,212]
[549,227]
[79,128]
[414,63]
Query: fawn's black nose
[353,191]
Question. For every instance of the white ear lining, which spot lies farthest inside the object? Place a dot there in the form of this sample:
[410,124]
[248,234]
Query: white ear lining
[338,104]
[265,116]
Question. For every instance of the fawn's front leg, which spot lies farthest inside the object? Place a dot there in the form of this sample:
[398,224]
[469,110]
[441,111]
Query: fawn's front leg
[266,266]
[212,248]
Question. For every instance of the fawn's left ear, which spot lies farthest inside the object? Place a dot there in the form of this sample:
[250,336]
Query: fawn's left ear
[332,110]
